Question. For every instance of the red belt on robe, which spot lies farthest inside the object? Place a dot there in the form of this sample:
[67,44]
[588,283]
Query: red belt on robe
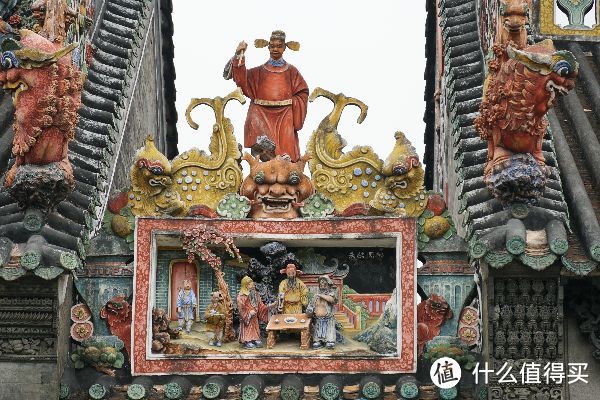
[272,103]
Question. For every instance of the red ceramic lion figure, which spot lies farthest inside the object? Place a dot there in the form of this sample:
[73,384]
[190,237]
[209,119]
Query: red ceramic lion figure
[117,314]
[47,94]
[276,188]
[514,17]
[522,87]
[431,315]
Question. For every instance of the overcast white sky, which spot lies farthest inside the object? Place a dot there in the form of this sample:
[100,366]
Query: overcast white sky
[374,52]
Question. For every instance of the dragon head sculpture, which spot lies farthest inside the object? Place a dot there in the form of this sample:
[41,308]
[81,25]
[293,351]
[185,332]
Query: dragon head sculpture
[557,71]
[404,191]
[151,171]
[151,184]
[276,188]
[519,95]
[46,90]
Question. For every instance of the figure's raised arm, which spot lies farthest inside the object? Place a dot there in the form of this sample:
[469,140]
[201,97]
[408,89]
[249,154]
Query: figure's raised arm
[328,298]
[241,49]
[240,74]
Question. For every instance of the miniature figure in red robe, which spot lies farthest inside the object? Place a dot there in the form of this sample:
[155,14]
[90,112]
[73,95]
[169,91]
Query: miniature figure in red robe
[279,97]
[252,309]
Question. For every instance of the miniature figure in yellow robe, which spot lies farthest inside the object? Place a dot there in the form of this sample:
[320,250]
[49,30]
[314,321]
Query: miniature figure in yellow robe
[215,318]
[293,293]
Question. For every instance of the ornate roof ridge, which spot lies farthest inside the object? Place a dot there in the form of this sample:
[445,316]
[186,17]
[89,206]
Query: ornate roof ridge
[122,28]
[476,211]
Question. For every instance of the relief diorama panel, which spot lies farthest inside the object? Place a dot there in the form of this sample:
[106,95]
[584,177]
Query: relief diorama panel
[309,301]
[329,295]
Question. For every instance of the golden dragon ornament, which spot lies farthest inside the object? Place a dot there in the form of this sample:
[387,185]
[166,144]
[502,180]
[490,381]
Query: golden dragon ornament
[359,176]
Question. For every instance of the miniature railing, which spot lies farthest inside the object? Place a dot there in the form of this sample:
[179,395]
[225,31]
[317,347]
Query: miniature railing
[375,302]
[353,316]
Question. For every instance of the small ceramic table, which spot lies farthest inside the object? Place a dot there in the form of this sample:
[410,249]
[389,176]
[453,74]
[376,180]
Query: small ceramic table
[284,322]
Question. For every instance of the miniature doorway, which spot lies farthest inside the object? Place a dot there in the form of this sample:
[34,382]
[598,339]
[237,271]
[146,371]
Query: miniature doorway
[180,270]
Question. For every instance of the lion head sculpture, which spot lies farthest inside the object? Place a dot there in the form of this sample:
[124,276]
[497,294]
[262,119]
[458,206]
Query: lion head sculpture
[557,70]
[431,315]
[117,314]
[514,17]
[276,188]
[47,90]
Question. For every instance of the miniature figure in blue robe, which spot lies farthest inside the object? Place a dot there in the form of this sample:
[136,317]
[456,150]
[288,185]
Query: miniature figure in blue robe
[186,306]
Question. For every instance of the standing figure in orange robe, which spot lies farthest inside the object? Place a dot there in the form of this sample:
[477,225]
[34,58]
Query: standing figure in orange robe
[251,309]
[279,97]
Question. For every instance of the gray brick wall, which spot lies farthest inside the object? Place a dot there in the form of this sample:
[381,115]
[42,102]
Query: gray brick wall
[230,278]
[162,276]
[206,288]
[142,119]
[31,381]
